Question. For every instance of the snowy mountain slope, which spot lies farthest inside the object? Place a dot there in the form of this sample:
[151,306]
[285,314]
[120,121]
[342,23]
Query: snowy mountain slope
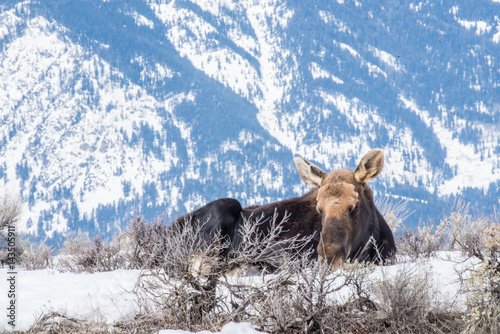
[111,107]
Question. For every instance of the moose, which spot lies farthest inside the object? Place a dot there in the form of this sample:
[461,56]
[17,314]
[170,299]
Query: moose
[339,211]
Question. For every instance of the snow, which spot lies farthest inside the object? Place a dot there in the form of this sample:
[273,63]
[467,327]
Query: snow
[387,59]
[276,73]
[496,36]
[318,72]
[481,27]
[83,157]
[373,70]
[141,20]
[328,18]
[197,40]
[108,296]
[50,81]
[472,170]
[230,328]
[84,296]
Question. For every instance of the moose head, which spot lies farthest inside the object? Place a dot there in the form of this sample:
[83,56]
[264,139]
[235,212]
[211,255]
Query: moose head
[345,202]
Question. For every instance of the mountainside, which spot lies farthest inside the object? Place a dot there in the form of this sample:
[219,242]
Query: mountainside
[113,107]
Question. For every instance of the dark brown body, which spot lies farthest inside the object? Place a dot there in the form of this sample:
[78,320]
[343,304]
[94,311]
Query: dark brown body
[339,213]
[302,219]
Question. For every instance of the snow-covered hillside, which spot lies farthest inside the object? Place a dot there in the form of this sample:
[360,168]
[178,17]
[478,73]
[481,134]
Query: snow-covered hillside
[113,107]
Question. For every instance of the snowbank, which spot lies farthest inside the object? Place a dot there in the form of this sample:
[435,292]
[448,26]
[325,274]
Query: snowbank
[230,328]
[108,296]
[83,296]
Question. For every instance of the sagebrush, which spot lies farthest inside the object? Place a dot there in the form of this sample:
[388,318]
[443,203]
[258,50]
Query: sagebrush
[184,283]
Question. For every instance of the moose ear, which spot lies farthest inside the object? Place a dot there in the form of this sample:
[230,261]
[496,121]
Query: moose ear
[309,173]
[370,166]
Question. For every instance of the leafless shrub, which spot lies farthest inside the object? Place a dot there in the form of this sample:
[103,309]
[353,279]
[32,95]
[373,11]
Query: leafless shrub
[75,243]
[303,296]
[266,249]
[10,213]
[140,246]
[356,313]
[142,324]
[315,303]
[483,286]
[404,298]
[421,242]
[465,232]
[143,242]
[101,256]
[79,254]
[407,303]
[60,323]
[186,283]
[36,255]
[478,238]
[295,299]
[184,291]
[299,296]
[193,274]
[394,212]
[270,304]
[30,255]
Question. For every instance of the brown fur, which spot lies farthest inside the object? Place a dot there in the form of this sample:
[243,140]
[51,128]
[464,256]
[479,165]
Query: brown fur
[349,216]
[339,212]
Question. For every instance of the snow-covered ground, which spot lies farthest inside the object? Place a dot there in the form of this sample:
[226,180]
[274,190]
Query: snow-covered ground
[230,328]
[84,296]
[108,296]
